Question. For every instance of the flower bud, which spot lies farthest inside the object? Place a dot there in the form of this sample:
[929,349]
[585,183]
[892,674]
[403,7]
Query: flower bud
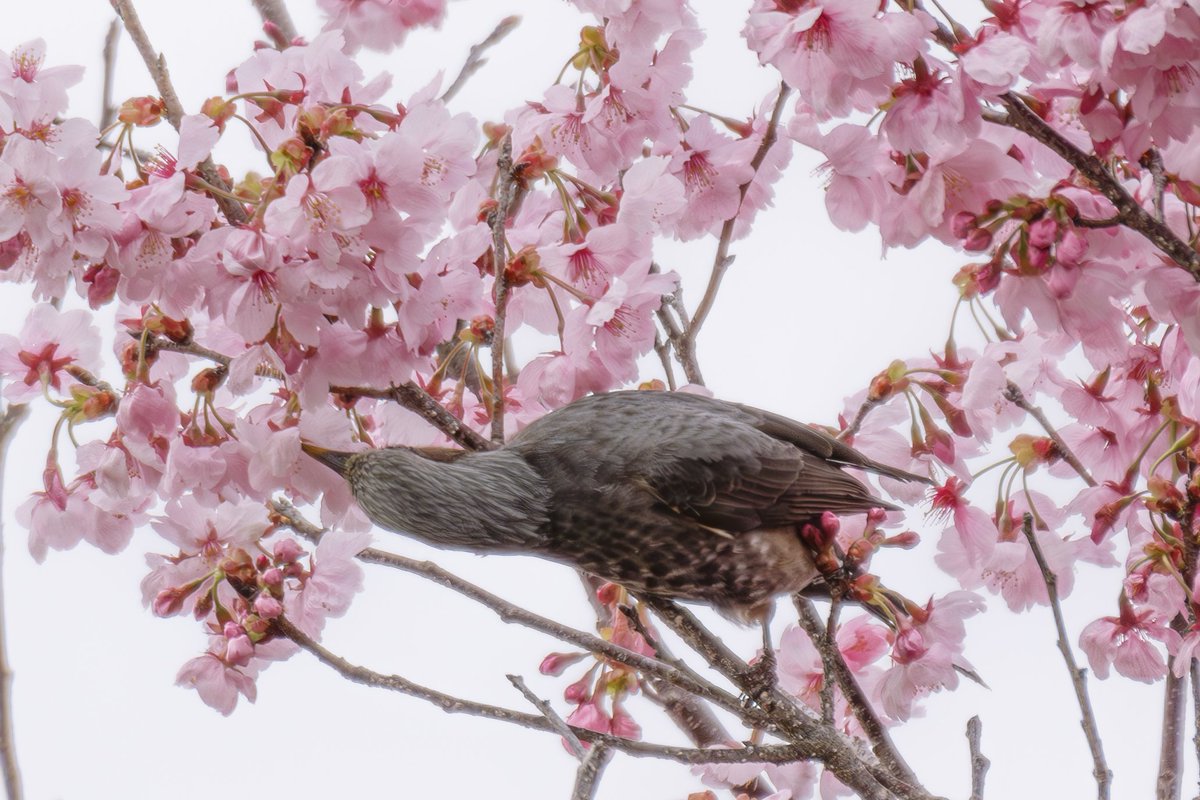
[555,663]
[142,111]
[267,606]
[287,550]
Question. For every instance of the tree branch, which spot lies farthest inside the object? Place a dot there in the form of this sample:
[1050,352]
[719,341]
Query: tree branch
[407,394]
[859,417]
[871,780]
[835,666]
[14,415]
[771,754]
[108,109]
[511,613]
[1014,395]
[587,778]
[557,722]
[1129,212]
[979,762]
[723,259]
[1100,768]
[475,59]
[1170,756]
[234,211]
[497,219]
[275,12]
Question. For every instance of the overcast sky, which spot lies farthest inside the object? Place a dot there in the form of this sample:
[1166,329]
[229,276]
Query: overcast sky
[807,316]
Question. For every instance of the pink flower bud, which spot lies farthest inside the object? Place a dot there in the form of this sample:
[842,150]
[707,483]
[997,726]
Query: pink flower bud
[232,630]
[910,645]
[962,224]
[830,524]
[977,240]
[577,692]
[1072,248]
[1043,233]
[905,540]
[267,606]
[624,725]
[273,577]
[168,602]
[287,550]
[555,663]
[239,651]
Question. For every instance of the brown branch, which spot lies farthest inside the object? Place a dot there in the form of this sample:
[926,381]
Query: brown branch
[1014,395]
[723,259]
[419,401]
[1194,671]
[587,777]
[156,63]
[859,417]
[275,12]
[1100,770]
[506,184]
[979,762]
[871,780]
[836,667]
[515,614]
[1170,756]
[674,327]
[475,59]
[407,394]
[770,754]
[13,416]
[108,109]
[558,723]
[1129,211]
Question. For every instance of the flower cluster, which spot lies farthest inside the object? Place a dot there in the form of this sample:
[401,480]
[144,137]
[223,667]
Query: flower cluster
[1055,146]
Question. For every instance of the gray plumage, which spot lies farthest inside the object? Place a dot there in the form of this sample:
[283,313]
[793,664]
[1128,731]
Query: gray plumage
[666,493]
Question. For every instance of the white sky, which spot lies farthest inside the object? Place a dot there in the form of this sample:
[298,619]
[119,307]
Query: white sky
[807,316]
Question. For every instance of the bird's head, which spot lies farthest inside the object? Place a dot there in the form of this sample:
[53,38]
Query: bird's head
[334,459]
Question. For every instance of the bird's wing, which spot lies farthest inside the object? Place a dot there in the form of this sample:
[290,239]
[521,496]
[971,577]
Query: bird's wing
[752,483]
[819,443]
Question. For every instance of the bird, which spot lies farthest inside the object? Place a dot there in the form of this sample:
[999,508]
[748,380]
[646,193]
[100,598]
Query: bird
[669,494]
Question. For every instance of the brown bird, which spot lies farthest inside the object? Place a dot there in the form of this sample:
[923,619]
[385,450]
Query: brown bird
[668,494]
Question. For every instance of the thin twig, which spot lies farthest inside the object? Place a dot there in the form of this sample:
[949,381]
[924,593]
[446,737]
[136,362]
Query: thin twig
[475,59]
[859,417]
[234,211]
[871,780]
[1194,671]
[1014,395]
[1129,211]
[13,416]
[1170,756]
[723,259]
[587,777]
[835,666]
[419,401]
[510,613]
[497,219]
[276,13]
[407,394]
[572,741]
[979,762]
[1100,768]
[108,109]
[771,754]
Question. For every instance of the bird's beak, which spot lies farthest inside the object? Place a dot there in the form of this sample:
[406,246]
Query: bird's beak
[334,459]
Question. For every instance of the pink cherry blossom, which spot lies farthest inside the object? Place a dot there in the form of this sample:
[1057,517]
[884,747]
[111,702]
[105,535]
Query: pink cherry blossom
[840,55]
[217,682]
[379,24]
[49,343]
[1124,642]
